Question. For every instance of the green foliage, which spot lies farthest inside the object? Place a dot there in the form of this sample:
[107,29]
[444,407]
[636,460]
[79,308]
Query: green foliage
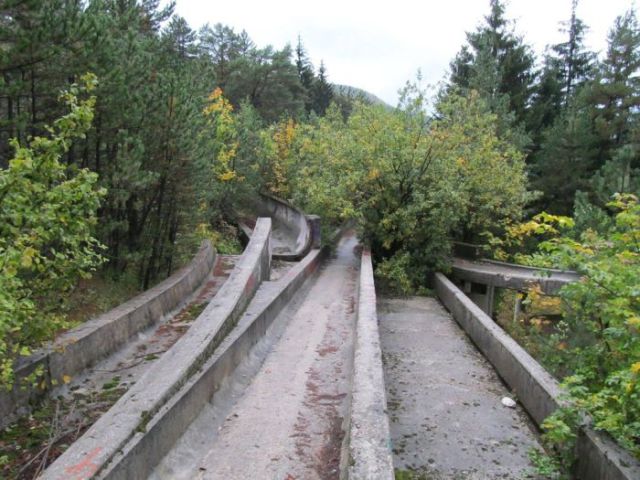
[545,465]
[598,339]
[410,181]
[498,64]
[394,273]
[587,122]
[47,217]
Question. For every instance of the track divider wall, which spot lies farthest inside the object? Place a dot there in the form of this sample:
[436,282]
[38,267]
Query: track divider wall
[294,218]
[144,452]
[369,440]
[599,458]
[95,339]
[128,420]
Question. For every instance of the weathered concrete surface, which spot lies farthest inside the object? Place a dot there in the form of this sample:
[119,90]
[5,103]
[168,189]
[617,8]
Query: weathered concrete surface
[283,238]
[536,388]
[598,457]
[143,452]
[507,275]
[135,357]
[287,424]
[369,441]
[292,233]
[447,420]
[90,394]
[92,341]
[130,415]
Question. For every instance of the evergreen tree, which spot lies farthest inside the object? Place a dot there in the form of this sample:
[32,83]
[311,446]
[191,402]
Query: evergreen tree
[494,48]
[567,68]
[592,145]
[181,38]
[305,74]
[614,96]
[322,92]
[575,62]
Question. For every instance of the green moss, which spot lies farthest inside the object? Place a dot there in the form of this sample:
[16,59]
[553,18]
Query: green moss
[111,384]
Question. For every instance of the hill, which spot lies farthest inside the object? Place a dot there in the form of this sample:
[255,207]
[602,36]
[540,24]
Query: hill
[355,92]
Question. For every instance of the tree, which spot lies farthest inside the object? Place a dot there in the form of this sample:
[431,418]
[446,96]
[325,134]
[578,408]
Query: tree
[305,74]
[597,343]
[412,182]
[181,38]
[322,92]
[615,94]
[566,69]
[566,159]
[494,47]
[47,221]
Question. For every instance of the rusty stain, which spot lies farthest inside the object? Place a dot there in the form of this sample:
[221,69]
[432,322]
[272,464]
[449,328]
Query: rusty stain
[326,350]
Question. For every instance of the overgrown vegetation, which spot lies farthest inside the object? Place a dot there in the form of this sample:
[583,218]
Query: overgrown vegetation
[47,217]
[595,347]
[183,126]
[577,119]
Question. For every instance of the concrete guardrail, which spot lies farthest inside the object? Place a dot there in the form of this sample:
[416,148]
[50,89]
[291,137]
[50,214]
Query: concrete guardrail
[142,453]
[509,275]
[599,458]
[102,446]
[369,440]
[293,219]
[83,346]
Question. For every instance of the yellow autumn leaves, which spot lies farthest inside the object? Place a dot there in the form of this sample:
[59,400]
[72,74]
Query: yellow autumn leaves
[219,113]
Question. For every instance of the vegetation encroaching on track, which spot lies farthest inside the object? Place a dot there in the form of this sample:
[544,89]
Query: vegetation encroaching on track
[47,217]
[595,347]
[183,126]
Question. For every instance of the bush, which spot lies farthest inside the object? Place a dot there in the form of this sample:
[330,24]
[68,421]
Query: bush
[47,216]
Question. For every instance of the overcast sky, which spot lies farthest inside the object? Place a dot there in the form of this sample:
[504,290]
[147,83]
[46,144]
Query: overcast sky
[378,45]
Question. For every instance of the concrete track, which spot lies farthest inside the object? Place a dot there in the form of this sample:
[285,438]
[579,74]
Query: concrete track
[131,361]
[508,275]
[281,415]
[444,399]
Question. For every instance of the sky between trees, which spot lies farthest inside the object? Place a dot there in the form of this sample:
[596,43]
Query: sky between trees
[377,46]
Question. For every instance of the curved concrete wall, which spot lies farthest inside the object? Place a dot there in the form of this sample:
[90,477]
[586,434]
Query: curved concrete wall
[509,275]
[599,458]
[130,416]
[369,440]
[95,339]
[143,452]
[291,218]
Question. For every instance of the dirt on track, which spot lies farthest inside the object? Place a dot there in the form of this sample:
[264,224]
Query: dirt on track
[447,419]
[287,420]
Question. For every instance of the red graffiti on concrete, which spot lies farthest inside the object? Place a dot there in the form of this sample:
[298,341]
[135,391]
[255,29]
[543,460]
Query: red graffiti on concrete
[86,468]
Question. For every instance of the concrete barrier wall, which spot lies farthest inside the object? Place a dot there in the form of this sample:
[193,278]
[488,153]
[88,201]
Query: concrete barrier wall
[369,440]
[598,457]
[130,416]
[95,339]
[509,275]
[292,218]
[144,451]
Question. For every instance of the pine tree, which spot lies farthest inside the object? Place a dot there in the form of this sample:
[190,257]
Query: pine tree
[322,92]
[615,94]
[566,69]
[305,74]
[494,47]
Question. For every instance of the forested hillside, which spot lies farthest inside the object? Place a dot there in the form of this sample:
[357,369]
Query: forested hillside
[116,145]
[126,137]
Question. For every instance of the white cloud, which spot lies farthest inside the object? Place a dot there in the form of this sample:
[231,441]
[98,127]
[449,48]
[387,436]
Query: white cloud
[378,45]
